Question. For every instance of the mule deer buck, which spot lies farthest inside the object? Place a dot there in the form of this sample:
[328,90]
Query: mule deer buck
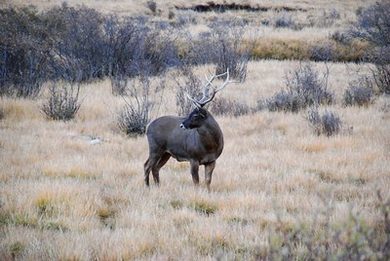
[196,138]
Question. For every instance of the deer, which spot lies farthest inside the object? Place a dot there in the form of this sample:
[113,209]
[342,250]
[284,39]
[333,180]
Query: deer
[196,138]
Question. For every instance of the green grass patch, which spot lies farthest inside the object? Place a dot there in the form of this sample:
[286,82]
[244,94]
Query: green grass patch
[204,207]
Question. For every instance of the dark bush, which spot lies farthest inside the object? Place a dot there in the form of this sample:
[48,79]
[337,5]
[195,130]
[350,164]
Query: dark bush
[62,103]
[327,124]
[24,52]
[374,26]
[286,101]
[222,106]
[359,93]
[303,88]
[223,46]
[152,5]
[374,23]
[284,19]
[322,52]
[381,75]
[76,45]
[132,121]
[230,52]
[141,100]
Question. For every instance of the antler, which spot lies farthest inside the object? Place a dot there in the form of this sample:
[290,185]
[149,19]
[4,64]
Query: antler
[207,97]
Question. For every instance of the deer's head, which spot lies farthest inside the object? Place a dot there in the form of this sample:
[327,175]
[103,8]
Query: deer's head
[199,115]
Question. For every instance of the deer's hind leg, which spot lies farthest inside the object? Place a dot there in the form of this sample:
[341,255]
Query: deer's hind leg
[156,169]
[150,163]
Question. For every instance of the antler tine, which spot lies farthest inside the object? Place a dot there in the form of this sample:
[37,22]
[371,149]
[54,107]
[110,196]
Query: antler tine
[227,81]
[195,102]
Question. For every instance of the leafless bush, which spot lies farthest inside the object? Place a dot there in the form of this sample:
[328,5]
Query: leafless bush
[222,106]
[141,101]
[77,44]
[152,5]
[359,92]
[283,19]
[187,83]
[62,103]
[223,46]
[304,87]
[381,75]
[322,52]
[374,24]
[230,52]
[328,123]
[23,52]
[286,101]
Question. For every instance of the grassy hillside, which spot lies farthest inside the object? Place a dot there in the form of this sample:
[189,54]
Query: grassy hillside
[66,198]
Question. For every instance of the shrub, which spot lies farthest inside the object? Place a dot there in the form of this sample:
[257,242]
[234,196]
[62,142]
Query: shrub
[374,24]
[192,86]
[358,93]
[118,84]
[152,5]
[328,123]
[284,19]
[77,44]
[223,46]
[222,106]
[133,121]
[62,103]
[141,100]
[286,101]
[322,52]
[303,88]
[381,75]
[230,52]
[24,54]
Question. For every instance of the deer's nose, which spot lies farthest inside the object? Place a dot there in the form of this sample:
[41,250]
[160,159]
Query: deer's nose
[182,126]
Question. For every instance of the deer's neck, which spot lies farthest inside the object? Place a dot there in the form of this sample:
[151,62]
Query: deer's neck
[211,135]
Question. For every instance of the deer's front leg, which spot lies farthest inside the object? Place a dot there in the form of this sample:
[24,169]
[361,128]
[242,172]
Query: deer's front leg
[194,172]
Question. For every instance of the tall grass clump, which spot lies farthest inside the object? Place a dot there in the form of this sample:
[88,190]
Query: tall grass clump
[62,103]
[304,87]
[141,100]
[327,123]
[350,240]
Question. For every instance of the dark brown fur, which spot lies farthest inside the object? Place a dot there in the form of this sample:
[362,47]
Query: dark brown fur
[197,139]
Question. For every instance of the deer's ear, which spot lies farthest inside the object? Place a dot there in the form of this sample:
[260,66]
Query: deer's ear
[203,114]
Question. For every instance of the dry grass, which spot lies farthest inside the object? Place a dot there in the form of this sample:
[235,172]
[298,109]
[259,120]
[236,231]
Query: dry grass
[65,198]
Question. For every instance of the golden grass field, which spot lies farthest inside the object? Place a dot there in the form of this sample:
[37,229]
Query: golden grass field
[64,198]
